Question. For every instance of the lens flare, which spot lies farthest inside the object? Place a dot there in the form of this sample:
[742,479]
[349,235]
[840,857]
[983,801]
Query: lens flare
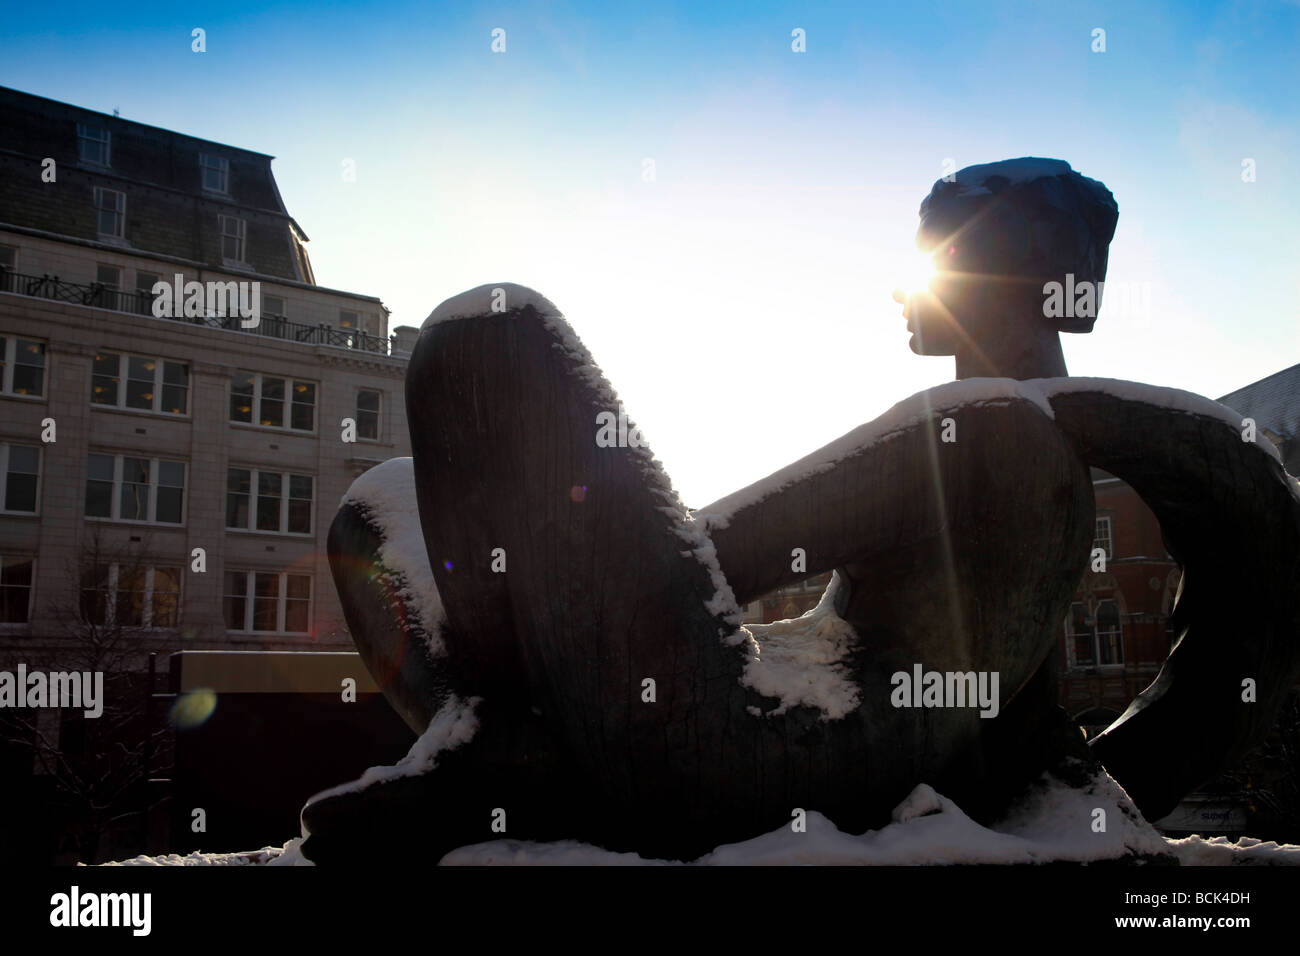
[193,709]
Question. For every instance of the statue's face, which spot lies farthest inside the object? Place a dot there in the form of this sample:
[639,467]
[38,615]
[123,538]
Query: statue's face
[974,293]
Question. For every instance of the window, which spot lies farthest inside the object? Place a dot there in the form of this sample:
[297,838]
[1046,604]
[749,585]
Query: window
[15,589]
[348,320]
[268,602]
[1101,538]
[21,465]
[125,488]
[232,238]
[108,280]
[368,413]
[110,213]
[23,368]
[93,144]
[273,305]
[152,385]
[1099,641]
[261,399]
[268,501]
[144,283]
[214,171]
[130,596]
[8,260]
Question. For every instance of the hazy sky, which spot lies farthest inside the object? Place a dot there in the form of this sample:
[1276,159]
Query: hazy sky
[739,302]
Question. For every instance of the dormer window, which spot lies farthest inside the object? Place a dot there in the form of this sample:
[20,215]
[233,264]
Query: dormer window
[214,172]
[93,144]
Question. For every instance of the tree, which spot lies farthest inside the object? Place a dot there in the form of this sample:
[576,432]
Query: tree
[95,770]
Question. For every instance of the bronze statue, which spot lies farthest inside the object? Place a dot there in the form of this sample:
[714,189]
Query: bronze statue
[577,667]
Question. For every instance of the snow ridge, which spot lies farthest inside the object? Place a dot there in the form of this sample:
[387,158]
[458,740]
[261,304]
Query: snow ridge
[386,493]
[922,406]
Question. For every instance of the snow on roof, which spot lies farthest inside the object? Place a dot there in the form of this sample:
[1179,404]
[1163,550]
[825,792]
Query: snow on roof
[386,493]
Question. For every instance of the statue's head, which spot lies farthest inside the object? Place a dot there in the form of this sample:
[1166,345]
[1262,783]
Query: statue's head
[996,234]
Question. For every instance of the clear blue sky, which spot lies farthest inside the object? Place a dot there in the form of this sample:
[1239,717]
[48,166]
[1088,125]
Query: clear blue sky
[740,303]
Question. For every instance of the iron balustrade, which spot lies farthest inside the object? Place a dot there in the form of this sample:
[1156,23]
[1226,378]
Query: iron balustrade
[96,295]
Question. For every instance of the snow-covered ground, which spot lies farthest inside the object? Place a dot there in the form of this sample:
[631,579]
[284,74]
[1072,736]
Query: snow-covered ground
[1055,822]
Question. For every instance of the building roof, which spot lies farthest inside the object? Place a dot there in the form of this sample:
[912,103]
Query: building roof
[1273,402]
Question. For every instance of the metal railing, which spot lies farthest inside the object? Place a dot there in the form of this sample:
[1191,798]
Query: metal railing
[96,295]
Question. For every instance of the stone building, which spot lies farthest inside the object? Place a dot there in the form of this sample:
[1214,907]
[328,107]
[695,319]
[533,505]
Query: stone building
[176,476]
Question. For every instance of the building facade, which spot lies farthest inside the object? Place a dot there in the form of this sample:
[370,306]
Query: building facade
[173,475]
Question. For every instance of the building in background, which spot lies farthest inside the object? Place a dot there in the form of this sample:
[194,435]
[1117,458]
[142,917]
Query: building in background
[168,482]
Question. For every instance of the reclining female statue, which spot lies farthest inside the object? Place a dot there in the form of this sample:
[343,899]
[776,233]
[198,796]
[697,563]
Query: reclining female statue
[577,666]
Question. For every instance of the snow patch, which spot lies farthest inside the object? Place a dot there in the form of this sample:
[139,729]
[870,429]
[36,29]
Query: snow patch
[1053,823]
[970,181]
[805,660]
[386,493]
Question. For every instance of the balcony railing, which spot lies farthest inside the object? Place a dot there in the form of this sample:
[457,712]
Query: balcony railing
[99,296]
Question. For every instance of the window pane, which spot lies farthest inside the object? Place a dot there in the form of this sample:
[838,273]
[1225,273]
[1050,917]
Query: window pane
[99,486]
[29,368]
[104,381]
[304,406]
[297,604]
[94,595]
[15,589]
[236,600]
[241,397]
[238,483]
[273,402]
[20,482]
[367,400]
[134,501]
[171,505]
[300,488]
[265,602]
[129,604]
[140,382]
[166,597]
[268,501]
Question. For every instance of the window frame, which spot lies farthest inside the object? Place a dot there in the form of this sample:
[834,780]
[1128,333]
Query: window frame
[249,598]
[5,446]
[222,169]
[124,376]
[115,501]
[284,497]
[107,142]
[147,605]
[10,362]
[1109,540]
[31,587]
[119,211]
[378,413]
[286,413]
[241,236]
[1095,637]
